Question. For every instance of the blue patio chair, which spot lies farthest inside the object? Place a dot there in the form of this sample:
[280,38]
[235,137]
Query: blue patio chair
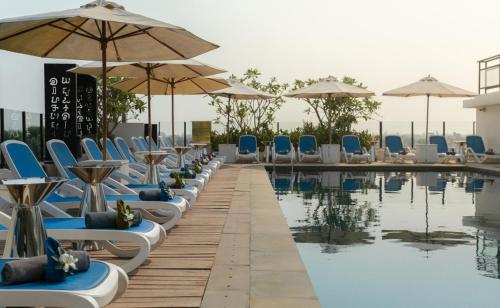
[352,150]
[308,150]
[444,153]
[282,149]
[395,151]
[475,185]
[247,149]
[477,149]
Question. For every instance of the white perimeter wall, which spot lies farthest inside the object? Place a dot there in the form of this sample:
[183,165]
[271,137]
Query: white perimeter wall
[488,126]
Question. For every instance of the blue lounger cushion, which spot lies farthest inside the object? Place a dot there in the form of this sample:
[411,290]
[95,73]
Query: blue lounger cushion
[54,198]
[77,223]
[96,274]
[307,143]
[282,144]
[351,144]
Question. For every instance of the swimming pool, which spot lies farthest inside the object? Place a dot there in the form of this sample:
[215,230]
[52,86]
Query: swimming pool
[396,239]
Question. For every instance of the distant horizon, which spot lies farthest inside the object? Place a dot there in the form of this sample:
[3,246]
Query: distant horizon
[385,45]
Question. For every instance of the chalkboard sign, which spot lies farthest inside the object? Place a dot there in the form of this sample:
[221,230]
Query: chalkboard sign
[86,106]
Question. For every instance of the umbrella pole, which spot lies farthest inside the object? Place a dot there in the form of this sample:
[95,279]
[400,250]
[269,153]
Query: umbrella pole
[104,45]
[427,122]
[227,124]
[172,85]
[150,127]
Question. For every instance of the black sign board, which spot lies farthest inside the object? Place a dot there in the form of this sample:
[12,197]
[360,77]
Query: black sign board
[60,95]
[86,106]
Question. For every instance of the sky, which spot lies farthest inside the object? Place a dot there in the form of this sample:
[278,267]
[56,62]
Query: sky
[384,43]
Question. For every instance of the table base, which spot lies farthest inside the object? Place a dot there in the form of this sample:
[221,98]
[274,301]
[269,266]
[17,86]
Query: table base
[27,236]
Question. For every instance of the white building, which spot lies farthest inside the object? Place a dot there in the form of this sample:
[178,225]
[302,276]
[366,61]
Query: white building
[487,103]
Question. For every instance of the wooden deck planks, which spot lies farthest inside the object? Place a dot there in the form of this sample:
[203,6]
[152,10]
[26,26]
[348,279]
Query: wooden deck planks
[176,274]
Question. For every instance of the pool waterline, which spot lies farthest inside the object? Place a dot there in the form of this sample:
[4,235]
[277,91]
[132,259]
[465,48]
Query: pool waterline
[395,239]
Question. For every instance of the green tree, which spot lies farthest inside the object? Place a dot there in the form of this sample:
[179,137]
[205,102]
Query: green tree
[122,106]
[338,113]
[251,116]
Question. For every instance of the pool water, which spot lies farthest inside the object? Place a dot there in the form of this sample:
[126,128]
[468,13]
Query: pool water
[396,239]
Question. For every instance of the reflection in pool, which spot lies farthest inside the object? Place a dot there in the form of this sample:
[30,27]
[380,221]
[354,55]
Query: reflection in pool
[396,239]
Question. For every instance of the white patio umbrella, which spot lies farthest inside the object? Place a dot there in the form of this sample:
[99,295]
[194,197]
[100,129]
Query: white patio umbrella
[153,78]
[429,86]
[185,86]
[85,33]
[239,91]
[329,88]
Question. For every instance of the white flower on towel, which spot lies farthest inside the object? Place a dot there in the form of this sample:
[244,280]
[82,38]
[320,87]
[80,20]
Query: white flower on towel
[129,216]
[66,261]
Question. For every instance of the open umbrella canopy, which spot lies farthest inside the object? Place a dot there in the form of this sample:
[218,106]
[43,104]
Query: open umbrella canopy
[78,34]
[196,85]
[239,91]
[100,30]
[429,86]
[329,88]
[160,77]
[177,69]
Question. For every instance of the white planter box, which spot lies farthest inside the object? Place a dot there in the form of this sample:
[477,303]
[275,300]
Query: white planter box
[426,153]
[229,151]
[330,153]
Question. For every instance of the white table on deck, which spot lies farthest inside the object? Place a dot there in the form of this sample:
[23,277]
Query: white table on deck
[426,153]
[330,153]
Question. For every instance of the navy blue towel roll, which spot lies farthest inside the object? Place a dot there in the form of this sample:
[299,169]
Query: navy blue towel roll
[33,269]
[107,220]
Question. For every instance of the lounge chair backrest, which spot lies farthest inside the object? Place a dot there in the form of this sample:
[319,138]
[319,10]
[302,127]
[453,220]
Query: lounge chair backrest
[21,160]
[394,143]
[154,146]
[440,141]
[351,144]
[282,144]
[351,185]
[62,157]
[164,142]
[142,143]
[124,149]
[113,152]
[248,143]
[476,144]
[92,149]
[307,143]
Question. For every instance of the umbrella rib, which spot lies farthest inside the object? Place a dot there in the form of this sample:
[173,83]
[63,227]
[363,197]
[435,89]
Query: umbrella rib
[73,25]
[28,30]
[114,43]
[77,33]
[162,43]
[204,91]
[136,86]
[117,31]
[133,33]
[98,28]
[192,70]
[64,38]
